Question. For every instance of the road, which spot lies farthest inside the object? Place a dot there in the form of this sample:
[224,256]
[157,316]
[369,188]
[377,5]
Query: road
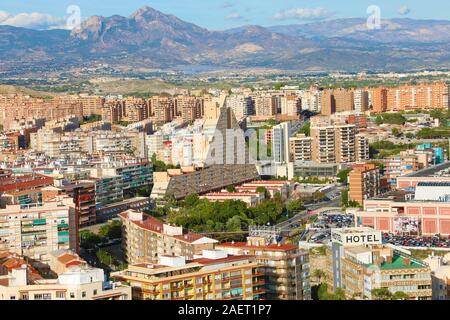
[287,226]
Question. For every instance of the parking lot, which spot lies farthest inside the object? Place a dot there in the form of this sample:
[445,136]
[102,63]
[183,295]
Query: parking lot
[320,231]
[415,241]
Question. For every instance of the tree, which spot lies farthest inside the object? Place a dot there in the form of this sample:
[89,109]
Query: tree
[400,295]
[263,190]
[191,200]
[396,132]
[344,198]
[306,129]
[343,176]
[88,239]
[112,230]
[294,205]
[319,274]
[381,294]
[231,188]
[379,120]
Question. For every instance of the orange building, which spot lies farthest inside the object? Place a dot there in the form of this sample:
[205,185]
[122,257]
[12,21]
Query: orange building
[364,180]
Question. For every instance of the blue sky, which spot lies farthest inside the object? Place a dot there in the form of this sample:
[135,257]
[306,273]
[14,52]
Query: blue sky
[220,14]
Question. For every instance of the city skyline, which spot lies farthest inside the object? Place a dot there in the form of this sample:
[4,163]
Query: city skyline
[219,14]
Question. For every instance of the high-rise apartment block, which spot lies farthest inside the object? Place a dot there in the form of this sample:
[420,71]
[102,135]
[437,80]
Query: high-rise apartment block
[411,97]
[364,182]
[336,141]
[34,230]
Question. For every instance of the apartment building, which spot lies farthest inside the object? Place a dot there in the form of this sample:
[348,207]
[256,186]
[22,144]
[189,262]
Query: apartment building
[345,145]
[323,146]
[265,105]
[146,238]
[364,182]
[285,267]
[311,100]
[280,142]
[162,109]
[15,107]
[411,161]
[212,275]
[189,108]
[78,282]
[181,182]
[337,100]
[336,141]
[362,147]
[34,230]
[358,263]
[411,97]
[241,105]
[300,148]
[361,100]
[291,105]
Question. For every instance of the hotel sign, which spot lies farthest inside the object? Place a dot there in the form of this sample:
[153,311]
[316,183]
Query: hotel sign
[356,237]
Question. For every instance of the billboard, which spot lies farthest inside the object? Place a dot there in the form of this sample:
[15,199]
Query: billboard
[356,236]
[408,225]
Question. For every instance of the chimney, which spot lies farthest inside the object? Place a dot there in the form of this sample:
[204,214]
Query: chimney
[406,262]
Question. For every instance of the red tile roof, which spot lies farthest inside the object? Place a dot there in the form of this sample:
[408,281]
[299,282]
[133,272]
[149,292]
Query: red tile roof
[270,247]
[152,224]
[206,261]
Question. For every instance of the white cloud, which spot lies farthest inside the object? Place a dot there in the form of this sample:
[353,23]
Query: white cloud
[234,16]
[303,14]
[404,10]
[34,20]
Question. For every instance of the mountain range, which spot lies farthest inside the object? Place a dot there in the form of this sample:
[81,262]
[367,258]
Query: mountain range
[154,40]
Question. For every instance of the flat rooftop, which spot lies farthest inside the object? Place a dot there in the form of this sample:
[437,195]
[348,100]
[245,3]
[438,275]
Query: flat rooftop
[441,170]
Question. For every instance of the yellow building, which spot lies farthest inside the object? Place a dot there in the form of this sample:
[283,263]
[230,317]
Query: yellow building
[212,276]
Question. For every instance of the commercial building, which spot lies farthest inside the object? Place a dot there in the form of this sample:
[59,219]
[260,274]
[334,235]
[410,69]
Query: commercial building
[145,239]
[359,263]
[424,212]
[212,275]
[364,182]
[285,267]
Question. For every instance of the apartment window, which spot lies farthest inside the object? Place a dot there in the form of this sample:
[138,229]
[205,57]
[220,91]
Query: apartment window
[95,292]
[47,296]
[38,297]
[60,294]
[72,295]
[12,298]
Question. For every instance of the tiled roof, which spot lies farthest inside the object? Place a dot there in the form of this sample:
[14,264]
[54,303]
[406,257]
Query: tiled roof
[270,247]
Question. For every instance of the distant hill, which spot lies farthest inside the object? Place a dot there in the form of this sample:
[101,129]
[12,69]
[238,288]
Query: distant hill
[152,39]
